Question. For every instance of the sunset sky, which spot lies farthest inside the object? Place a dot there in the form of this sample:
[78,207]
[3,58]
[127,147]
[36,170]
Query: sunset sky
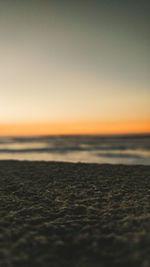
[74,67]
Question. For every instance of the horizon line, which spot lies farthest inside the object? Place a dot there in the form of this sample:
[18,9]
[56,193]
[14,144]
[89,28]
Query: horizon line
[65,135]
[75,128]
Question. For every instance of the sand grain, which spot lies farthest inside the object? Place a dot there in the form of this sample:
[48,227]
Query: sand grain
[79,215]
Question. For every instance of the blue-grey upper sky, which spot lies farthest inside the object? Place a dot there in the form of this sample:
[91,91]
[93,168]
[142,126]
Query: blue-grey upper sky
[74,60]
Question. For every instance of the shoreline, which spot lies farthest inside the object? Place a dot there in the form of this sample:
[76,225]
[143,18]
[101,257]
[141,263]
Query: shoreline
[74,214]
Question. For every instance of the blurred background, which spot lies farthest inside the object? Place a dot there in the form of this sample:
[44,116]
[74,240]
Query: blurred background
[74,80]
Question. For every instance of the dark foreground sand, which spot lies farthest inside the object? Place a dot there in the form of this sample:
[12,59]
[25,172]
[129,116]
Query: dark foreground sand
[84,215]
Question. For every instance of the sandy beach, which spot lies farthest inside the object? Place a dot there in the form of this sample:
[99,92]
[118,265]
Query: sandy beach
[74,214]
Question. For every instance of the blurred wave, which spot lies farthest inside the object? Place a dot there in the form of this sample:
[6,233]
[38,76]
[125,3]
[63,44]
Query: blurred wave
[115,149]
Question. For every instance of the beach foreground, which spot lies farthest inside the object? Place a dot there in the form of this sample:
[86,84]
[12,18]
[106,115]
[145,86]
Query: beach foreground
[73,214]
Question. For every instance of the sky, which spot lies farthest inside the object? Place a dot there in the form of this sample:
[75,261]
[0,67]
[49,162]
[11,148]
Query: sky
[74,66]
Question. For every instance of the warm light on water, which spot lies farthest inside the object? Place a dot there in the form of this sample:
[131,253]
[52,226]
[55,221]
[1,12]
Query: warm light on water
[119,149]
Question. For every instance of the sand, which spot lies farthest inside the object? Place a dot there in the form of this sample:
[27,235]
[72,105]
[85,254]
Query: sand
[79,215]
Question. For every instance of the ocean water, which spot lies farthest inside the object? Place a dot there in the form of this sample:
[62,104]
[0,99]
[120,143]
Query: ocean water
[115,149]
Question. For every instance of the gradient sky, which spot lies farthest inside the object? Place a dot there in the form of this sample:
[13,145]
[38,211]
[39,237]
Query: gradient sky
[74,62]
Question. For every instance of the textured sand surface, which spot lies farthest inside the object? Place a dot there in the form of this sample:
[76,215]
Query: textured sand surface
[79,215]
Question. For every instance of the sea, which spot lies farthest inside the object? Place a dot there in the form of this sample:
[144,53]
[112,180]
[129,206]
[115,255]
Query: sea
[110,149]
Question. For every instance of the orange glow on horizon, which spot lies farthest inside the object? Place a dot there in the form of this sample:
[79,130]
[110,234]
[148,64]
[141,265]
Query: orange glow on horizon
[78,128]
